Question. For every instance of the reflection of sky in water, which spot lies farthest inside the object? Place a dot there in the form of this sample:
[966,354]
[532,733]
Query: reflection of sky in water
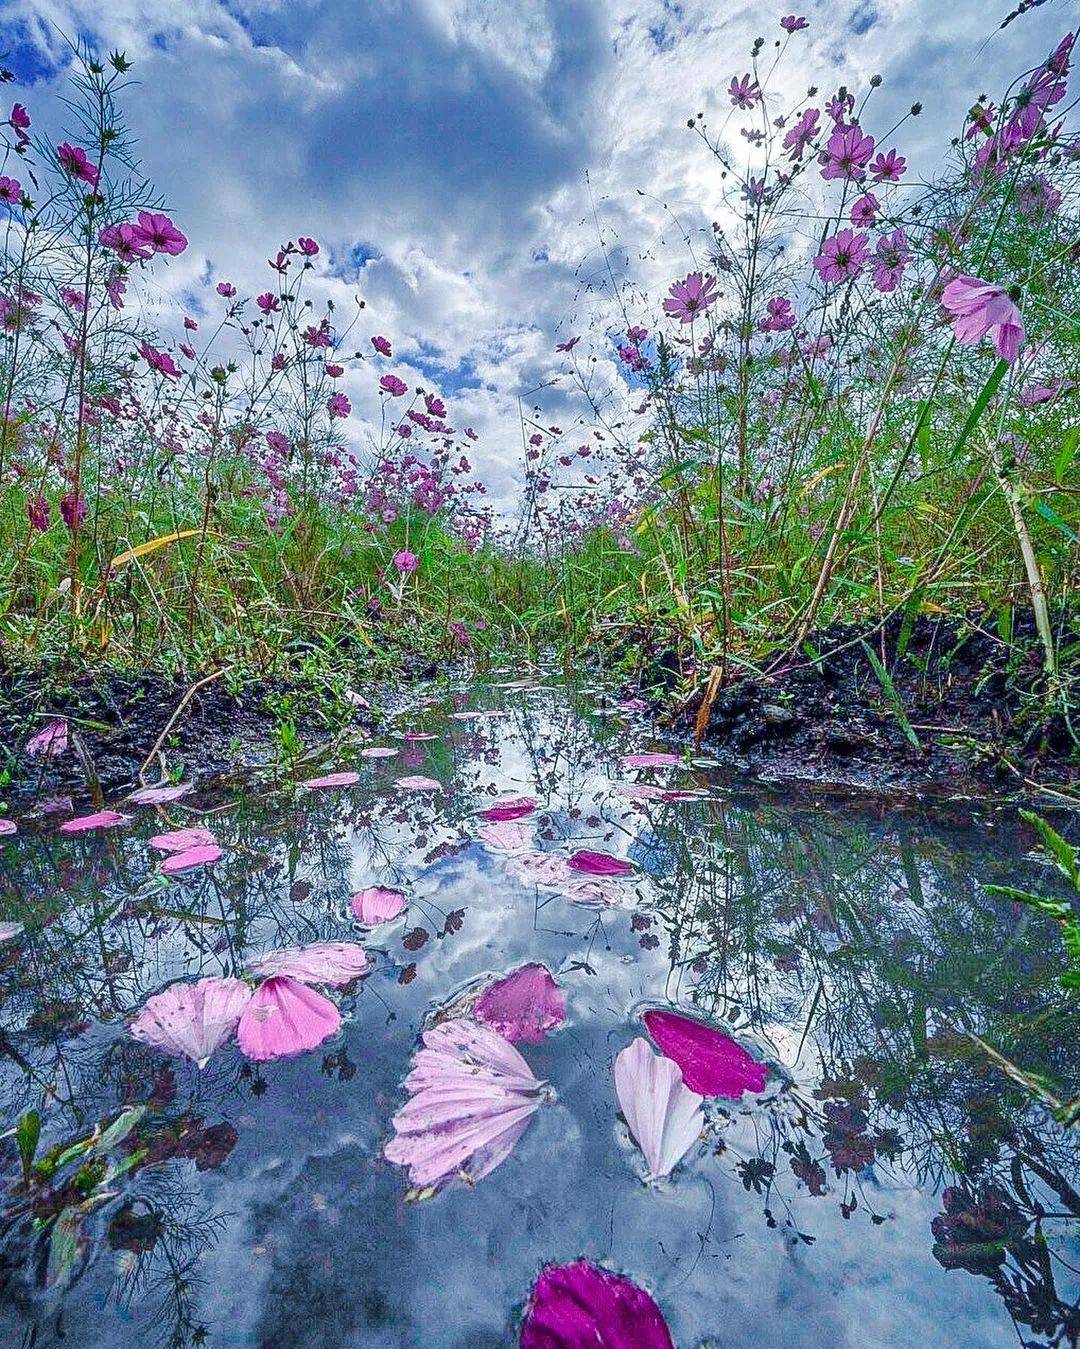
[847,946]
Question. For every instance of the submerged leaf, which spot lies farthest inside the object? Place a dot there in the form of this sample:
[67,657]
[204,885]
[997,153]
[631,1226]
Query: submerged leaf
[664,1115]
[285,1017]
[582,1306]
[524,1005]
[712,1063]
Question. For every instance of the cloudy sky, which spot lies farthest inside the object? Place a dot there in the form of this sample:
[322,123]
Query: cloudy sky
[461,160]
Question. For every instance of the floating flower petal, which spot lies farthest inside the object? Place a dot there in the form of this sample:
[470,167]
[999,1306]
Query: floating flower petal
[651,760]
[712,1063]
[509,808]
[376,905]
[599,864]
[419,784]
[378,752]
[285,1017]
[181,840]
[192,1020]
[52,739]
[542,868]
[507,836]
[524,1005]
[664,1115]
[202,856]
[333,963]
[581,1305]
[159,796]
[331,780]
[102,819]
[471,1098]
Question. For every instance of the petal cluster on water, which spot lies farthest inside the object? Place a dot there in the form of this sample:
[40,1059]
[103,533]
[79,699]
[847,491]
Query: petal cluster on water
[471,1096]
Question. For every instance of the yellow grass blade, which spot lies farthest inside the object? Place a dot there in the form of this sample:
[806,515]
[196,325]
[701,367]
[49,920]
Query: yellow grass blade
[151,546]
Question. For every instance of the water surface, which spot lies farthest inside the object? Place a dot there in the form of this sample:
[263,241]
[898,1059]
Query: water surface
[889,1188]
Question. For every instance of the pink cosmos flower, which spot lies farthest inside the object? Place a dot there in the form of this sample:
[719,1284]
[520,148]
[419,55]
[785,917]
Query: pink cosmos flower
[157,232]
[338,405]
[865,210]
[842,257]
[791,24]
[308,247]
[334,371]
[978,308]
[405,562]
[744,92]
[802,133]
[847,154]
[268,303]
[382,346]
[10,190]
[888,168]
[781,316]
[125,242]
[690,297]
[159,360]
[74,162]
[395,387]
[226,289]
[890,258]
[20,122]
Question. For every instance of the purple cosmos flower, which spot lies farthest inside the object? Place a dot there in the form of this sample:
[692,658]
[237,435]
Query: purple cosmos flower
[690,297]
[73,509]
[268,303]
[865,210]
[338,405]
[891,257]
[842,257]
[159,360]
[978,308]
[37,508]
[847,154]
[802,133]
[382,346]
[781,316]
[888,168]
[158,233]
[10,190]
[405,562]
[744,92]
[395,387]
[125,242]
[791,24]
[74,162]
[226,289]
[308,247]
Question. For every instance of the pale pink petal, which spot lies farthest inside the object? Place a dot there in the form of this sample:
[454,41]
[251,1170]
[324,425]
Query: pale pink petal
[663,1114]
[419,784]
[507,836]
[712,1063]
[181,840]
[416,737]
[600,890]
[331,780]
[509,808]
[192,1019]
[202,856]
[9,930]
[582,1306]
[333,963]
[102,819]
[599,864]
[357,699]
[376,905]
[285,1017]
[471,1097]
[524,1005]
[651,759]
[8,827]
[542,868]
[378,752]
[51,740]
[641,791]
[159,796]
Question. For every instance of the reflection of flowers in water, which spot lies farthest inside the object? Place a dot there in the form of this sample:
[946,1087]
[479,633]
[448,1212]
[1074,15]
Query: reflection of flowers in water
[977,1229]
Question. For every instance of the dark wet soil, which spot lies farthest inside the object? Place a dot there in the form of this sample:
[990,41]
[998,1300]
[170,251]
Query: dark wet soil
[978,712]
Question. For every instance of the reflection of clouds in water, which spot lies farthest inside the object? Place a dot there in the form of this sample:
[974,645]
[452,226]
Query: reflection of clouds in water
[803,926]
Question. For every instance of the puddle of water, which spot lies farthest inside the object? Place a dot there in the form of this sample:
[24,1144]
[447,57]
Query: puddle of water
[888,1188]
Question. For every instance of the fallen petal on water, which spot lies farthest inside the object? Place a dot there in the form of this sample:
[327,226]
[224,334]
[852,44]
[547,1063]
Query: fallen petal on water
[712,1063]
[663,1114]
[332,963]
[346,779]
[285,1017]
[181,840]
[522,1006]
[582,1305]
[102,819]
[203,855]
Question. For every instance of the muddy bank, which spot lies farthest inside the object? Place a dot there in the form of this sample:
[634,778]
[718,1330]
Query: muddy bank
[950,709]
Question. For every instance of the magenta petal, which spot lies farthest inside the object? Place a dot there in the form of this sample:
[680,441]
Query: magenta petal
[331,780]
[376,905]
[511,808]
[159,796]
[102,819]
[285,1017]
[578,1305]
[201,856]
[712,1063]
[51,739]
[180,840]
[651,760]
[332,963]
[525,1005]
[8,827]
[599,864]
